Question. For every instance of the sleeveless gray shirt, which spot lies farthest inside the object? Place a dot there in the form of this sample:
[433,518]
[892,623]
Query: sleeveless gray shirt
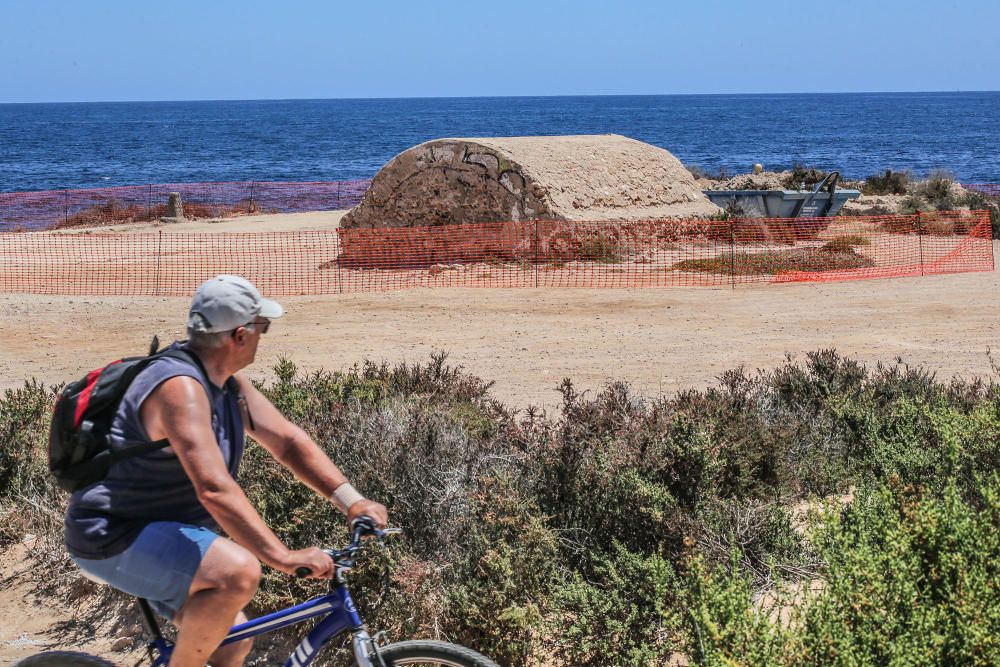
[104,518]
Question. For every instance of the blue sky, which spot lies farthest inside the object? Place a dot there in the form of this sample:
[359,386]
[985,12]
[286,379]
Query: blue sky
[184,50]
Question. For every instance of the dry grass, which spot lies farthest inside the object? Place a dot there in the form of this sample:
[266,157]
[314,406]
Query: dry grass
[114,212]
[773,262]
[845,243]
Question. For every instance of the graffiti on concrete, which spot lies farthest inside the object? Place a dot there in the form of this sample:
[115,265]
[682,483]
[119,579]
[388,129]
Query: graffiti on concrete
[447,182]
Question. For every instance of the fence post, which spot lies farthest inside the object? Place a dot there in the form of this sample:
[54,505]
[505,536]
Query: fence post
[338,195]
[252,183]
[534,251]
[159,247]
[149,201]
[65,206]
[732,252]
[920,240]
[340,261]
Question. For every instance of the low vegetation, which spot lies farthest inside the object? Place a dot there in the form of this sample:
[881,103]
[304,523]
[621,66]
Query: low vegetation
[978,201]
[804,177]
[772,262]
[706,174]
[115,212]
[600,246]
[845,243]
[940,192]
[888,183]
[821,513]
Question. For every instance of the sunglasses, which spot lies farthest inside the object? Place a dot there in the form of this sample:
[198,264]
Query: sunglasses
[261,325]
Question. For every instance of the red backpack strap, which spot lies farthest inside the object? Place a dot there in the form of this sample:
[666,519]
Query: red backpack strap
[83,400]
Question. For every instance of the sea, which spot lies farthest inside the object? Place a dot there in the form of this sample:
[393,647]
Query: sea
[88,145]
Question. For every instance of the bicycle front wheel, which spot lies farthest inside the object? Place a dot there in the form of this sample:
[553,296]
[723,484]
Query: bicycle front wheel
[64,659]
[427,653]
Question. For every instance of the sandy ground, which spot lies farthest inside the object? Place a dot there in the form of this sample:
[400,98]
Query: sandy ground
[527,340]
[31,622]
[281,222]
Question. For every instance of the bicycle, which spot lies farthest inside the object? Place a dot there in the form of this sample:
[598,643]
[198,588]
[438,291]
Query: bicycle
[338,615]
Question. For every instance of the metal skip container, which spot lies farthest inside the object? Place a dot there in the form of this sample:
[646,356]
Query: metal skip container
[822,202]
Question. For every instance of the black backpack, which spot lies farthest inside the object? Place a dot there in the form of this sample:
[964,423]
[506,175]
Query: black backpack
[80,451]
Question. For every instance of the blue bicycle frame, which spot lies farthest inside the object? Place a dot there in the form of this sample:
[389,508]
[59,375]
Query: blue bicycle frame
[337,607]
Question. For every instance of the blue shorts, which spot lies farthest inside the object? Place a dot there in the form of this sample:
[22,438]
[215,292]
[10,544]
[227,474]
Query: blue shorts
[158,566]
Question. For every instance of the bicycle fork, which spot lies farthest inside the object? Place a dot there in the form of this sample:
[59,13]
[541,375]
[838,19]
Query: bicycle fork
[345,617]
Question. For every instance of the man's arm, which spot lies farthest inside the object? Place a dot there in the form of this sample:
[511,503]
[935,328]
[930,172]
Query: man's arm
[179,410]
[294,449]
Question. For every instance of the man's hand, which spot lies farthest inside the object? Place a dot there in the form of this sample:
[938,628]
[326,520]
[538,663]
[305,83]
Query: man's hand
[376,511]
[318,562]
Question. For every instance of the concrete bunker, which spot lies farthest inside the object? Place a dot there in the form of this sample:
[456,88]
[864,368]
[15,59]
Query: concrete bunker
[588,177]
[466,200]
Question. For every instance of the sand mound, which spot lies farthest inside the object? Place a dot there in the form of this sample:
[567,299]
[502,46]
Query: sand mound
[873,205]
[591,177]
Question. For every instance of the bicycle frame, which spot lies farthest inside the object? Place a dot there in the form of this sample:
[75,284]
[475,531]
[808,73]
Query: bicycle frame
[337,608]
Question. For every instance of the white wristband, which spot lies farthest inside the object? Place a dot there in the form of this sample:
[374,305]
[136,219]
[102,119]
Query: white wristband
[344,496]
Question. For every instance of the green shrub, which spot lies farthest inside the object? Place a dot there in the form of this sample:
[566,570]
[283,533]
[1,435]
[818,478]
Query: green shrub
[932,194]
[24,422]
[630,487]
[889,183]
[627,614]
[29,497]
[502,589]
[605,532]
[723,627]
[759,531]
[909,578]
[937,190]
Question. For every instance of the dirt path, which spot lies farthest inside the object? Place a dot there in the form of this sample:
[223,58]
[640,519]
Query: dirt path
[31,623]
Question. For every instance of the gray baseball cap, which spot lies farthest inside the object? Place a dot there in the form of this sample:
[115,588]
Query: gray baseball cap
[224,303]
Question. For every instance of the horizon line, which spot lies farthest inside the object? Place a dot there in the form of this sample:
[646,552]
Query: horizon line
[489,97]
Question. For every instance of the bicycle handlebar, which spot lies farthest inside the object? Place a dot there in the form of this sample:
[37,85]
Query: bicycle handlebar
[361,527]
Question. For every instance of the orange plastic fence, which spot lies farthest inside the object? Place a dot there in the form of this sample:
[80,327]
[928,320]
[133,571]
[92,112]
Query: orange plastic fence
[509,254]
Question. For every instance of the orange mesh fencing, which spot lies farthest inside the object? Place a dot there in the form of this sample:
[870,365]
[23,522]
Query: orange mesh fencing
[659,253]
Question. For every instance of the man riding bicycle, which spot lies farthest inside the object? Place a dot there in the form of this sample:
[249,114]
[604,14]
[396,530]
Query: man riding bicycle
[148,528]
